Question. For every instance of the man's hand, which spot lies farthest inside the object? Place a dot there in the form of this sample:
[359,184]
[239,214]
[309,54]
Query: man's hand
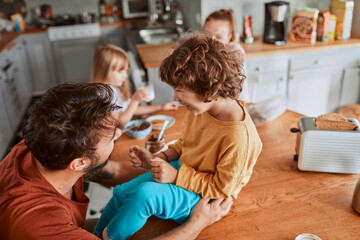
[140,157]
[204,213]
[162,171]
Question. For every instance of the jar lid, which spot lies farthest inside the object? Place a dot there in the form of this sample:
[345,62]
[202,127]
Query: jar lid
[307,236]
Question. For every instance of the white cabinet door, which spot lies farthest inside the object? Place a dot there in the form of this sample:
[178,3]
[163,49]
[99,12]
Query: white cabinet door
[5,130]
[114,35]
[40,60]
[265,86]
[73,59]
[5,127]
[266,77]
[10,92]
[310,90]
[22,75]
[163,92]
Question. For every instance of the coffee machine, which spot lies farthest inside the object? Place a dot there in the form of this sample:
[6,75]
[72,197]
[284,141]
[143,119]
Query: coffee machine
[276,22]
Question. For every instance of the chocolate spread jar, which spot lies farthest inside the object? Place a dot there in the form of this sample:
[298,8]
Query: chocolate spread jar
[152,144]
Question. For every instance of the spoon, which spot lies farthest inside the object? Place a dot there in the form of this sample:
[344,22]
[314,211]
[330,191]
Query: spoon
[163,130]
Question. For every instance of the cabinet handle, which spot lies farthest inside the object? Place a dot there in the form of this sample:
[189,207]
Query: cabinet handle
[257,69]
[291,78]
[7,66]
[281,79]
[316,62]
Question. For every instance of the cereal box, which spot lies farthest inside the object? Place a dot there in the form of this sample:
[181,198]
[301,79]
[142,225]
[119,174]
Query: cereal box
[343,9]
[304,23]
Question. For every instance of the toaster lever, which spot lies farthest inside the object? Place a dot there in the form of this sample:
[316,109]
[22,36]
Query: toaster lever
[294,130]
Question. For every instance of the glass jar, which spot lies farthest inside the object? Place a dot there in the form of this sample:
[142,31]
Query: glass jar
[152,144]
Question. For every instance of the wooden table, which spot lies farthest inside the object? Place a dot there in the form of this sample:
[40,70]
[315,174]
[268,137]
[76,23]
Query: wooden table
[279,202]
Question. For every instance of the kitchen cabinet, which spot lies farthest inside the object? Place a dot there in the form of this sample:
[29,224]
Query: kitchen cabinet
[41,61]
[73,59]
[314,85]
[16,90]
[350,89]
[114,35]
[163,92]
[266,77]
[22,74]
[5,128]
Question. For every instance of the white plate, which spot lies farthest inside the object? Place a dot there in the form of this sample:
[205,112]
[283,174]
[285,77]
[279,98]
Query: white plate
[162,118]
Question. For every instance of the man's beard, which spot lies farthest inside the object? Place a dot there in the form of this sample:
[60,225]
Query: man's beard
[94,167]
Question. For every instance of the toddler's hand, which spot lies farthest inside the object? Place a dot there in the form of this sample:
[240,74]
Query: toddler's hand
[162,171]
[142,95]
[169,106]
[140,157]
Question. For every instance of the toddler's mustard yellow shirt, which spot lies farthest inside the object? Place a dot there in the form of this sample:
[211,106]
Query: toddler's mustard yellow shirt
[216,157]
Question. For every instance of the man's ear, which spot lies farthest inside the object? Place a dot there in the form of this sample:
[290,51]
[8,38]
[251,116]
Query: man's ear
[80,164]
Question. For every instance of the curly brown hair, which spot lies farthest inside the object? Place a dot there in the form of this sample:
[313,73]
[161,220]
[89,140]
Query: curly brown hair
[204,66]
[67,122]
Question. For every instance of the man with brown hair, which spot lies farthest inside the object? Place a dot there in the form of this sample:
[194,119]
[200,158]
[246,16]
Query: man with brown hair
[68,133]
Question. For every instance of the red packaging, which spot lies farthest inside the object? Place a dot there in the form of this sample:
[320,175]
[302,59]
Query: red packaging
[247,35]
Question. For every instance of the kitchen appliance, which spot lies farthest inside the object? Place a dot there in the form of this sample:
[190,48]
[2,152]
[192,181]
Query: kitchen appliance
[86,17]
[331,151]
[135,8]
[276,22]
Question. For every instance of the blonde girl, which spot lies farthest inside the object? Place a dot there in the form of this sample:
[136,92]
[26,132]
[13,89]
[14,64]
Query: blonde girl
[110,66]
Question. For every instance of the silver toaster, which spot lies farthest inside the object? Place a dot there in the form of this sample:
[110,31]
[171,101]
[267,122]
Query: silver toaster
[327,150]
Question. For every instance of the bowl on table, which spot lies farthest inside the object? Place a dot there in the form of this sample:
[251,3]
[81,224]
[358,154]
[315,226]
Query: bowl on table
[138,128]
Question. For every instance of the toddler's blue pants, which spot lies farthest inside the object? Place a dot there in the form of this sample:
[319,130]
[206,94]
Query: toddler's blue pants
[135,201]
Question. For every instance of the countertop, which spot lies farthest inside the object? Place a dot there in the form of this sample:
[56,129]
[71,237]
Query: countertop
[8,38]
[152,55]
[280,201]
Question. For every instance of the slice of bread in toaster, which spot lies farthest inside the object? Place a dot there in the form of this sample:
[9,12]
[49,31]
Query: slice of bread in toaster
[332,117]
[351,111]
[334,121]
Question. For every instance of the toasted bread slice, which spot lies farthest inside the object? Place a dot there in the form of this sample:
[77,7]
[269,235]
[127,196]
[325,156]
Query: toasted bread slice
[332,117]
[334,125]
[351,111]
[334,121]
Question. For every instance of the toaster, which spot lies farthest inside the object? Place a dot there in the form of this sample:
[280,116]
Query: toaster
[330,151]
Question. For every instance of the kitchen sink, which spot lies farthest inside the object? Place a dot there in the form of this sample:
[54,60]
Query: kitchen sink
[158,35]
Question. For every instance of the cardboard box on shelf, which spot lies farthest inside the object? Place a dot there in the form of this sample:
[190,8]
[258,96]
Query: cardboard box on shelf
[355,29]
[304,24]
[331,30]
[343,9]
